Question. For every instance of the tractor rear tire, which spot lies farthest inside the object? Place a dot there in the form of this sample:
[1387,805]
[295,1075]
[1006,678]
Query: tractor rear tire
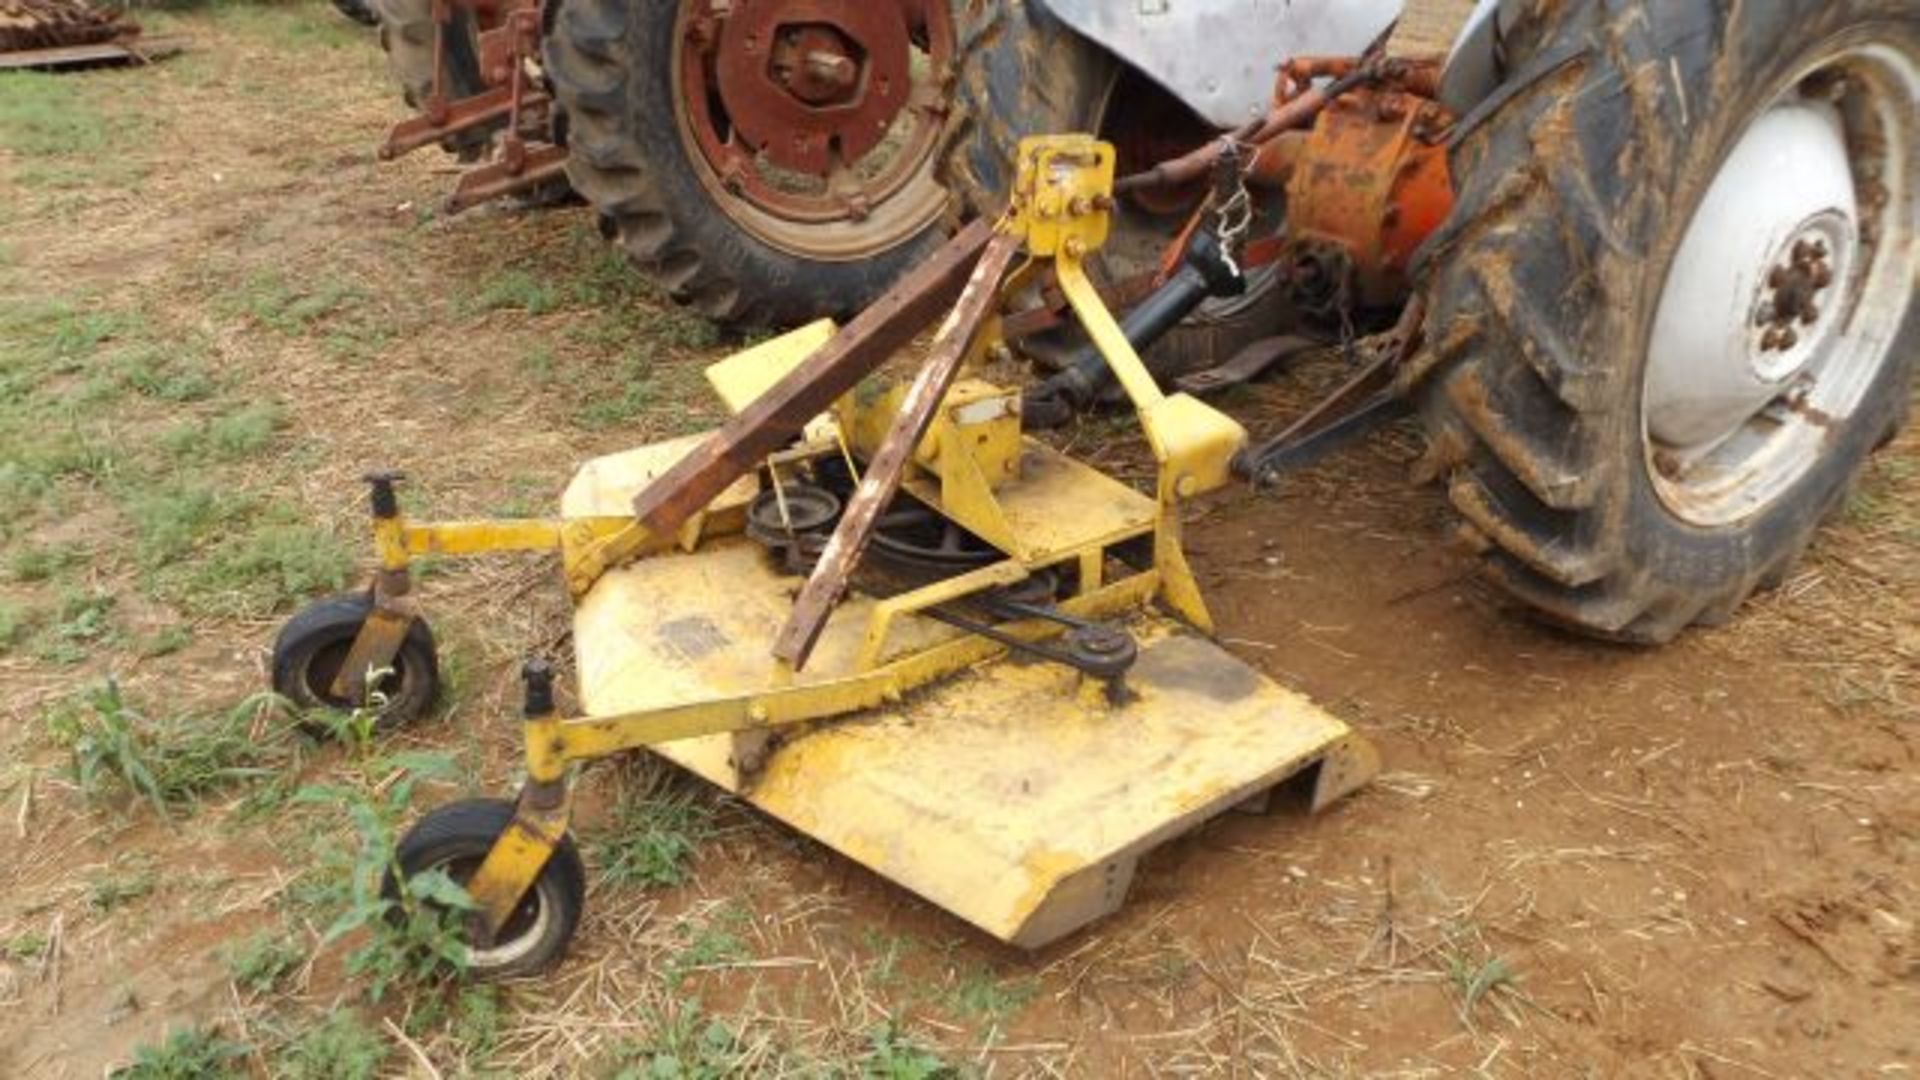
[1578,182]
[1024,72]
[407,31]
[612,64]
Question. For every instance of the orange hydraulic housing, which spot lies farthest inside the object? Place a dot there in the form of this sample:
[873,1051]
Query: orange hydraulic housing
[1365,187]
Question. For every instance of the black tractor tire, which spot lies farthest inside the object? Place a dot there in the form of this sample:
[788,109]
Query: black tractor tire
[407,31]
[1575,183]
[360,11]
[455,838]
[310,648]
[612,66]
[1024,72]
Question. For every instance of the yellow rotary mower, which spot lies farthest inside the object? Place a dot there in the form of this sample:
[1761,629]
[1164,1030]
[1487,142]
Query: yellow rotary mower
[879,613]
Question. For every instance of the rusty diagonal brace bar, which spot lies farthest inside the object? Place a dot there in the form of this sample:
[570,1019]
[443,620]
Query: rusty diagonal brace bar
[776,417]
[829,578]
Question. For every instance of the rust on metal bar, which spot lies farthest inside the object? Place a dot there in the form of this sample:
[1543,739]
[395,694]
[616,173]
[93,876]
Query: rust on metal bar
[1251,362]
[536,165]
[1053,312]
[482,108]
[777,416]
[917,407]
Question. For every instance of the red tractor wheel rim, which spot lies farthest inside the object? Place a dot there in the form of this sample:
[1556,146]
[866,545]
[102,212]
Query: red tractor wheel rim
[812,111]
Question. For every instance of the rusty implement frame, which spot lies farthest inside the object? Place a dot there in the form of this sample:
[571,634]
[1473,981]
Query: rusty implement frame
[777,416]
[522,158]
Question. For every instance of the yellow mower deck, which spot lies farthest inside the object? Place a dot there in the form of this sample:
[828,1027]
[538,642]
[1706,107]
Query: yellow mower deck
[884,718]
[1010,795]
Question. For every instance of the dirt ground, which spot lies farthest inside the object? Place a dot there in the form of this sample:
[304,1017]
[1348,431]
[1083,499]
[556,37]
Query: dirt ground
[217,311]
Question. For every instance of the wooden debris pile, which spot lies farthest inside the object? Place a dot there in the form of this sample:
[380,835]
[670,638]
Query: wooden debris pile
[51,24]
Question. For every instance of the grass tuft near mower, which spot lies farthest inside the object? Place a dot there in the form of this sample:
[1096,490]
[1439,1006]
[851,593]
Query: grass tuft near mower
[879,613]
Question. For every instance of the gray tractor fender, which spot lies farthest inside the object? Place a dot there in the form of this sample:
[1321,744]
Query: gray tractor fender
[1219,56]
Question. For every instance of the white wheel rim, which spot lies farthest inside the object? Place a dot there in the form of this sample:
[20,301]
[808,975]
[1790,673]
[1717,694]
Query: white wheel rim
[1784,296]
[503,953]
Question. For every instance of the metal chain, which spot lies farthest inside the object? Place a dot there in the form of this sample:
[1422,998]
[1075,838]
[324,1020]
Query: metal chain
[1233,214]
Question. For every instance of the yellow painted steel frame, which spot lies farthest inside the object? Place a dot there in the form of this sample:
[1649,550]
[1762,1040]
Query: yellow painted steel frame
[1063,200]
[1062,206]
[396,542]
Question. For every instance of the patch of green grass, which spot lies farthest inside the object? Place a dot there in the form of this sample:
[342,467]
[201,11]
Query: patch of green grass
[892,1054]
[1474,981]
[77,334]
[478,1016]
[84,621]
[344,1046]
[679,328]
[128,882]
[1474,971]
[261,962]
[164,642]
[606,410]
[983,998]
[36,563]
[23,947]
[61,137]
[359,340]
[15,621]
[255,563]
[32,466]
[515,290]
[195,1053]
[652,839]
[715,942]
[215,552]
[603,278]
[270,566]
[284,26]
[684,1045]
[295,310]
[887,950]
[174,518]
[115,750]
[538,365]
[236,435]
[174,375]
[606,332]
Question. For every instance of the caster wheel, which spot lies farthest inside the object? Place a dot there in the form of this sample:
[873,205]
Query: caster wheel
[313,644]
[455,838]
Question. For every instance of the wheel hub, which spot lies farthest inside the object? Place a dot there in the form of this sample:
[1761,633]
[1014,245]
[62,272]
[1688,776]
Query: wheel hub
[818,65]
[806,115]
[806,81]
[1791,303]
[1741,316]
